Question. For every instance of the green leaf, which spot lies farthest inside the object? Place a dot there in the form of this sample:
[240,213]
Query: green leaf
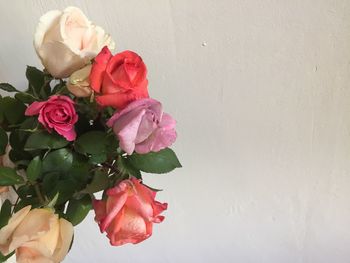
[58,161]
[4,258]
[8,176]
[36,79]
[99,182]
[25,97]
[49,181]
[19,155]
[79,171]
[45,140]
[5,213]
[53,201]
[18,139]
[98,158]
[112,145]
[34,169]
[30,123]
[3,141]
[93,142]
[26,190]
[160,162]
[7,87]
[59,88]
[77,210]
[126,167]
[12,109]
[65,189]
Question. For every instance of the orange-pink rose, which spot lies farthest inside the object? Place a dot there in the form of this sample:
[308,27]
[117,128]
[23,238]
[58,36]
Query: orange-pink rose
[128,213]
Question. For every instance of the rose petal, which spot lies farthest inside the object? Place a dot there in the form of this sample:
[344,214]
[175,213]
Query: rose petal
[64,241]
[127,135]
[141,103]
[64,62]
[37,223]
[8,230]
[98,68]
[70,135]
[34,108]
[113,206]
[162,137]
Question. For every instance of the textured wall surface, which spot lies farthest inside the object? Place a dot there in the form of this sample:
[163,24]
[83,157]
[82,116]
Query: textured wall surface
[260,90]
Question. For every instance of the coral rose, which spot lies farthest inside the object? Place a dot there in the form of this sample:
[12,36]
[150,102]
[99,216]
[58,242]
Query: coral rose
[118,79]
[36,235]
[142,126]
[56,113]
[128,213]
[66,41]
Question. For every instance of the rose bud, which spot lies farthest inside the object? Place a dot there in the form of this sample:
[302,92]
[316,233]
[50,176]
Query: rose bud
[56,113]
[128,213]
[66,41]
[79,83]
[143,126]
[36,235]
[118,80]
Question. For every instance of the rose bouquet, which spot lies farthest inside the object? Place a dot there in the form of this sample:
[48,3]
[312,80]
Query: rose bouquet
[84,125]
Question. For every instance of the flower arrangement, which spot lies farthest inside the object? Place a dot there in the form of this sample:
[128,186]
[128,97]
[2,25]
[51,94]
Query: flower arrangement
[85,125]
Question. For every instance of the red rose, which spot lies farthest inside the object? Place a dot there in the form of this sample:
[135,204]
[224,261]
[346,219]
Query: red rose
[118,79]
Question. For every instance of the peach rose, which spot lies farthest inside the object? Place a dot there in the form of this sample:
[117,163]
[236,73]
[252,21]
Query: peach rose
[5,191]
[66,41]
[129,212]
[5,159]
[36,235]
[79,82]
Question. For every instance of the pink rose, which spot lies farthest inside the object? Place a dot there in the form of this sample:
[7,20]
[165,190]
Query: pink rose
[128,213]
[56,113]
[142,126]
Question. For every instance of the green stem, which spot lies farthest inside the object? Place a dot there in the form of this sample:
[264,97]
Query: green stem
[14,206]
[38,193]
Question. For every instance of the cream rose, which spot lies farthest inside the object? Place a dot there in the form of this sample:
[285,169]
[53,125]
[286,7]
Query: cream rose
[36,235]
[66,41]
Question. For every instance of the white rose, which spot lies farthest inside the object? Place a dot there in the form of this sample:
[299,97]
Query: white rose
[67,41]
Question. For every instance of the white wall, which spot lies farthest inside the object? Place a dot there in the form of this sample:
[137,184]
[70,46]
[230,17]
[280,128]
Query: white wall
[260,90]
